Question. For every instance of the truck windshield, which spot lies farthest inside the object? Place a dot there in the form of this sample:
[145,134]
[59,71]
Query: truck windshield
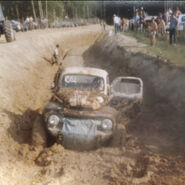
[80,81]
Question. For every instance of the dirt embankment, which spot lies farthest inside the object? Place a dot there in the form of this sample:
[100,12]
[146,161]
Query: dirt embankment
[164,80]
[155,138]
[25,78]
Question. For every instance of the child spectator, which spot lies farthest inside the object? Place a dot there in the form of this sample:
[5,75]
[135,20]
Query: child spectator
[177,12]
[153,31]
[161,26]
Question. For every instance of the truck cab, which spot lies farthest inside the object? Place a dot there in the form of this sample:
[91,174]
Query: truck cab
[79,115]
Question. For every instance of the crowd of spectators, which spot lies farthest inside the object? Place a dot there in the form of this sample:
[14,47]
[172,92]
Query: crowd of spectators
[120,24]
[160,25]
[30,24]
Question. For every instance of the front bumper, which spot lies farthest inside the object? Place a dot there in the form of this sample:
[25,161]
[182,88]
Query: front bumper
[80,133]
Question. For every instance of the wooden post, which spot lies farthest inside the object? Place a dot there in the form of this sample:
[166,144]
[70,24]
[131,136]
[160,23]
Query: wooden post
[40,9]
[34,14]
[17,12]
[47,11]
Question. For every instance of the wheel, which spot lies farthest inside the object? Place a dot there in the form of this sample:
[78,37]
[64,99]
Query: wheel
[119,136]
[38,132]
[9,32]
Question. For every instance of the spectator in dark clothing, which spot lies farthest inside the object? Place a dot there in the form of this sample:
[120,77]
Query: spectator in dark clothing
[173,27]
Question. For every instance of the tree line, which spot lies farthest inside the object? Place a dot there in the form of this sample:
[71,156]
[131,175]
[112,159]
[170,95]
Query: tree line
[50,10]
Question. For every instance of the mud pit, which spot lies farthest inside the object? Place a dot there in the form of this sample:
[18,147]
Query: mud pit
[154,148]
[155,140]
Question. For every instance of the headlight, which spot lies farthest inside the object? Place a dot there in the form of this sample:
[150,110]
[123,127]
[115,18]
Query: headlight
[100,99]
[53,120]
[106,124]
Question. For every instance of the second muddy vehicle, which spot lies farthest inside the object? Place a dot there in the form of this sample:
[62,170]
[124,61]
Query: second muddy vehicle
[80,115]
[6,27]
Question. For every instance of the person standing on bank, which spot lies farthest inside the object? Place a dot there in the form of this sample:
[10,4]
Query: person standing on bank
[153,31]
[55,57]
[116,21]
[173,28]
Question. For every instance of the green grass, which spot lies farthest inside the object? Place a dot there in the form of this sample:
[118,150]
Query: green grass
[173,53]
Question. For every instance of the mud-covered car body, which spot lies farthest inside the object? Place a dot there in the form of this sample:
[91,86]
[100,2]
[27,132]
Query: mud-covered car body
[79,110]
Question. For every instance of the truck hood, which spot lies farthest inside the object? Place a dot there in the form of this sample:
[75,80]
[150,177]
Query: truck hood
[82,99]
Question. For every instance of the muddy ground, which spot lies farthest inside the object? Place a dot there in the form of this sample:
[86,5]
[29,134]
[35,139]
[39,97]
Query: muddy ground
[155,136]
[152,151]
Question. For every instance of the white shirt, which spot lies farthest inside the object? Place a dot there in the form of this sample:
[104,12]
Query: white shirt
[56,51]
[116,20]
[170,11]
[27,20]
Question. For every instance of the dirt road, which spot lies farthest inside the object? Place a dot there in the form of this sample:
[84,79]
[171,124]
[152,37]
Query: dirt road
[151,153]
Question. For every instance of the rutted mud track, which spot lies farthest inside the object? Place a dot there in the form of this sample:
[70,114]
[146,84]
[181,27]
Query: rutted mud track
[154,148]
[155,138]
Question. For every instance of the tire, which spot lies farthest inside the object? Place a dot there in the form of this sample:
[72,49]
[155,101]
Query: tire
[119,136]
[39,133]
[9,32]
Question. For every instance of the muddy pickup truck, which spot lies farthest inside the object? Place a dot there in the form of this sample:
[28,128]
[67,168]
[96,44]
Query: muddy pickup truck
[79,115]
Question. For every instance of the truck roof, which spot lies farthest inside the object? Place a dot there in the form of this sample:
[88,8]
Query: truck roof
[85,70]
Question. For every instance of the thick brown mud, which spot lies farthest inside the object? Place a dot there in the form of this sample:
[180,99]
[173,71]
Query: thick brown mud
[149,152]
[25,77]
[158,131]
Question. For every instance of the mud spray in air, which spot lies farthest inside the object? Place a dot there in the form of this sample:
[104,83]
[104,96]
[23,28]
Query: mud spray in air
[152,149]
